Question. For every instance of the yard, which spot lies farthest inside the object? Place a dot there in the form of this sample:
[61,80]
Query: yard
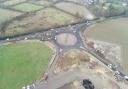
[23,63]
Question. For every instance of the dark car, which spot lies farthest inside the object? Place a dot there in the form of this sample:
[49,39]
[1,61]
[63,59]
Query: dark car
[88,84]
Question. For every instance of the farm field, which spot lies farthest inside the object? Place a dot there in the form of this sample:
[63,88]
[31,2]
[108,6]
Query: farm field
[26,7]
[113,31]
[7,14]
[42,20]
[42,2]
[12,2]
[23,63]
[75,9]
[2,0]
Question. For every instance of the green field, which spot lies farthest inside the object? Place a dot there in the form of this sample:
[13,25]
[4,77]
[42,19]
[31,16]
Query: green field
[27,7]
[114,31]
[75,9]
[11,2]
[7,14]
[2,0]
[42,2]
[23,63]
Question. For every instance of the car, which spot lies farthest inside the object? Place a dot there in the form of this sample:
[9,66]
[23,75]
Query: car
[117,72]
[33,85]
[126,77]
[25,38]
[87,84]
[55,37]
[74,31]
[28,87]
[23,87]
[52,29]
[7,39]
[110,65]
[61,50]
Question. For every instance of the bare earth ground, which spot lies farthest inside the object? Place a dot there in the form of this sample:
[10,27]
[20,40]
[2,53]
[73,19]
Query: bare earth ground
[71,59]
[111,51]
[74,85]
[92,69]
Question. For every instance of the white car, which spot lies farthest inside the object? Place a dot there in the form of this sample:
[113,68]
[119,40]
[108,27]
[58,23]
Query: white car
[110,65]
[33,85]
[23,87]
[55,38]
[7,39]
[25,38]
[74,31]
[52,29]
[61,50]
[28,87]
[126,77]
[117,72]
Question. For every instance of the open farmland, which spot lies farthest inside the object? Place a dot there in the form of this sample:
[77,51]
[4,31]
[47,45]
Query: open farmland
[41,2]
[2,0]
[12,2]
[7,14]
[42,20]
[113,31]
[75,9]
[23,63]
[26,7]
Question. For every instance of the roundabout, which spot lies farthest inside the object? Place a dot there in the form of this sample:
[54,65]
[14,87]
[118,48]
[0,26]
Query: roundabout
[66,39]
